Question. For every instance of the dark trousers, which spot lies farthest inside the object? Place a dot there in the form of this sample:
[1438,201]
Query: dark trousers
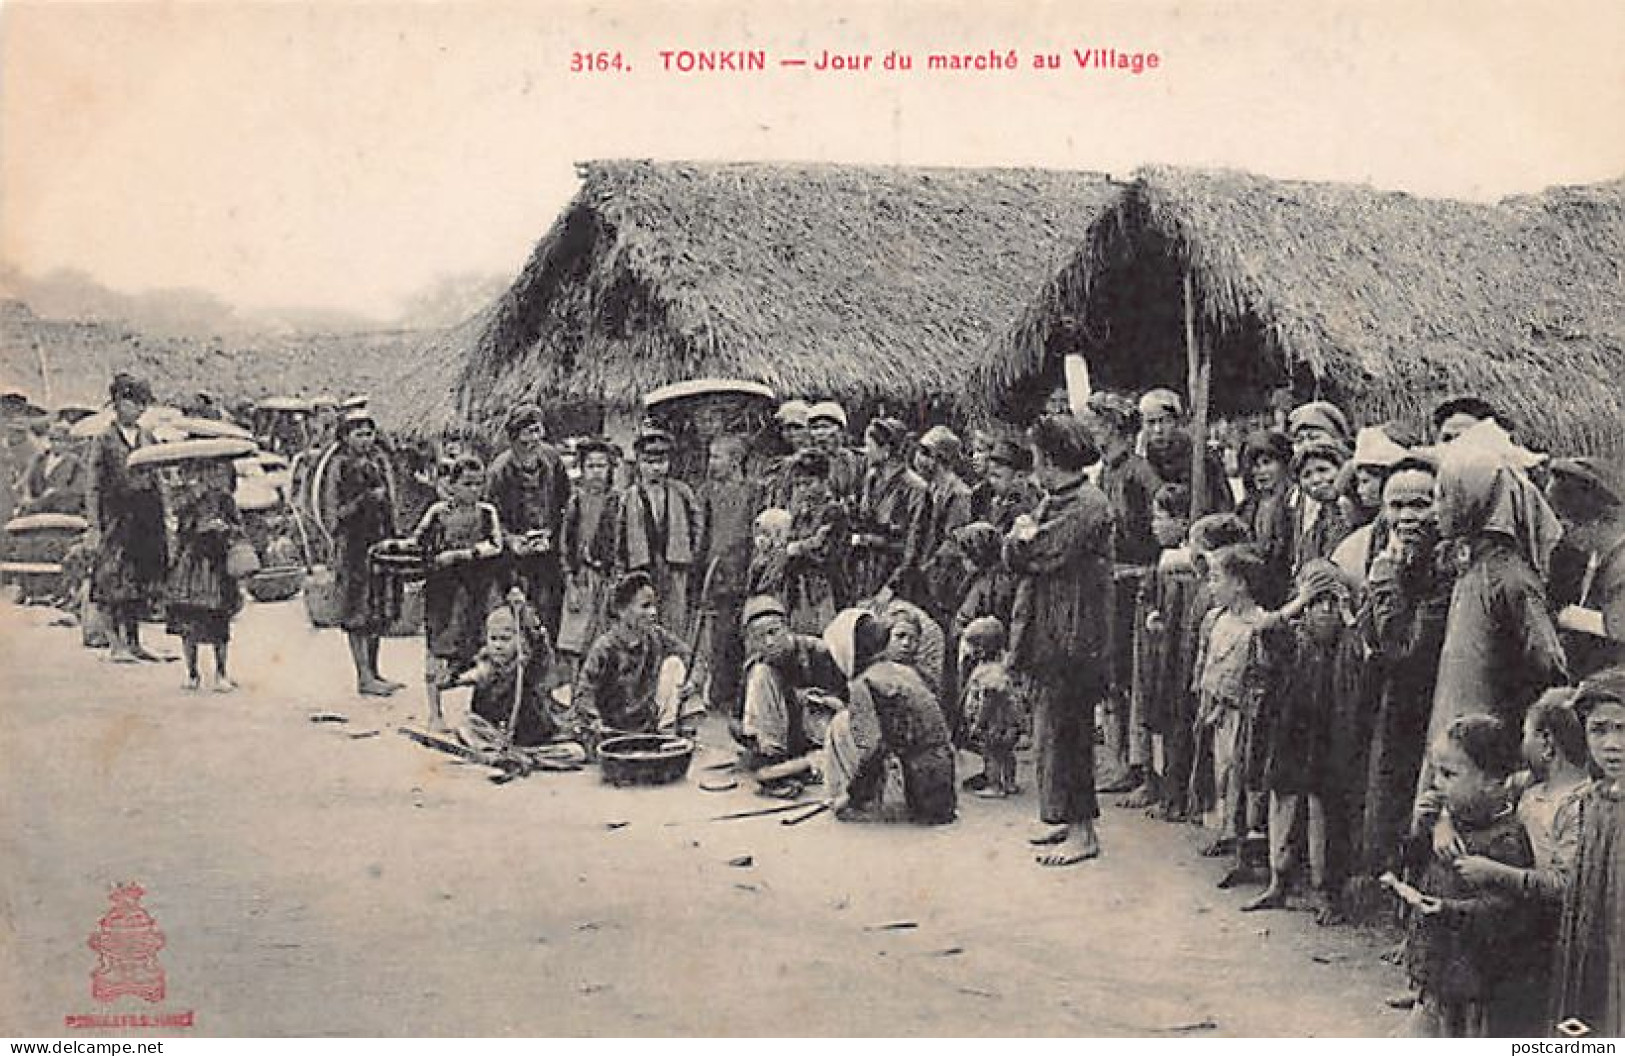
[1064,733]
[726,640]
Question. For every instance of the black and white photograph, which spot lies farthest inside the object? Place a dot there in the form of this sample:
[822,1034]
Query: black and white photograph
[715,519]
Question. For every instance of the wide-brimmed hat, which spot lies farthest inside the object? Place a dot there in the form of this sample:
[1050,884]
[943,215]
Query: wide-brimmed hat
[827,411]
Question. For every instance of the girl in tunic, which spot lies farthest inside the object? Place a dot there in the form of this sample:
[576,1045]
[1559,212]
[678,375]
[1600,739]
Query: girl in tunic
[890,712]
[1589,979]
[363,515]
[584,549]
[1266,462]
[455,536]
[201,596]
[126,511]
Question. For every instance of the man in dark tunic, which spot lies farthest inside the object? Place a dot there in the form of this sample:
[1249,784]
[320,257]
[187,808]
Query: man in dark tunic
[787,676]
[635,678]
[826,428]
[659,529]
[1061,631]
[126,511]
[1129,483]
[529,487]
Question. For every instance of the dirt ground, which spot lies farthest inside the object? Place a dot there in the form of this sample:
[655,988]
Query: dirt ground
[337,879]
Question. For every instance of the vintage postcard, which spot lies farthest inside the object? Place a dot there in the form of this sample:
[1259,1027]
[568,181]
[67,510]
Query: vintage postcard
[730,519]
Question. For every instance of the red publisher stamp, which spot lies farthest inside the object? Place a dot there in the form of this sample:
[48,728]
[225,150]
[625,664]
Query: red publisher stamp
[127,941]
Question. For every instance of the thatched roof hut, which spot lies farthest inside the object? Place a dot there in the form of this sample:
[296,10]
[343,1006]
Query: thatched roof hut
[1383,301]
[860,283]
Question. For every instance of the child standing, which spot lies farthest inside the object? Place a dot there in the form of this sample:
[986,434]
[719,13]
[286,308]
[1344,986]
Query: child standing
[201,595]
[1467,947]
[770,541]
[1208,535]
[455,534]
[1160,707]
[584,550]
[1319,681]
[1241,655]
[1589,980]
[991,710]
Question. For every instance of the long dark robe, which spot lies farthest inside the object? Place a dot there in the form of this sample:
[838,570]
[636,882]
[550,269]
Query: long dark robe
[893,513]
[368,602]
[1588,980]
[530,500]
[129,511]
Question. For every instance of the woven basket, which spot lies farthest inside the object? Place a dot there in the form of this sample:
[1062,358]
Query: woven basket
[322,597]
[275,584]
[409,624]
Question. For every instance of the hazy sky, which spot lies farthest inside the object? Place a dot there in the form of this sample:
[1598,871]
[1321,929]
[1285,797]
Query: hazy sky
[342,154]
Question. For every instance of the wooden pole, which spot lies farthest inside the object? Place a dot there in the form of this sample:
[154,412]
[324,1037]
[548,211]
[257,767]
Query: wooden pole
[1199,368]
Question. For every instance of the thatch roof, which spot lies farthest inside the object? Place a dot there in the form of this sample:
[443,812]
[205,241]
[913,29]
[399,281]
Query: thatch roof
[1384,301]
[409,374]
[856,282]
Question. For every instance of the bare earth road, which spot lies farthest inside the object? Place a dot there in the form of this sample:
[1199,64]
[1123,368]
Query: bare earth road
[313,882]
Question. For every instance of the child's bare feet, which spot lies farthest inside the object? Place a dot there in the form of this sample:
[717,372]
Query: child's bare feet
[224,684]
[191,684]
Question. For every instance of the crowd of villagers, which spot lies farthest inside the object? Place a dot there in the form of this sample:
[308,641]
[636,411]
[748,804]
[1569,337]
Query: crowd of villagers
[1373,653]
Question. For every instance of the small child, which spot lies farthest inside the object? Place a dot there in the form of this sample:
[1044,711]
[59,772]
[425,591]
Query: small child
[1318,681]
[1467,948]
[1208,535]
[511,679]
[1241,654]
[1548,794]
[1159,703]
[1590,962]
[454,535]
[770,539]
[988,590]
[201,596]
[992,712]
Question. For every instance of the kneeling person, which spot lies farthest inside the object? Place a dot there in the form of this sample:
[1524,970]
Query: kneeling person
[635,678]
[792,687]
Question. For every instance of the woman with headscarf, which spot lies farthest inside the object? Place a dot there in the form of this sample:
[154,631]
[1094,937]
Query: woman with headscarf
[363,515]
[890,712]
[1501,648]
[1318,422]
[894,507]
[126,508]
[1318,523]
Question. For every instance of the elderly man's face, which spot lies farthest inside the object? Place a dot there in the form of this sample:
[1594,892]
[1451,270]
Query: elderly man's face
[128,411]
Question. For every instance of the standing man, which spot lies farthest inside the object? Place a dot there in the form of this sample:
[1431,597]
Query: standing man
[126,511]
[659,529]
[1129,483]
[1061,630]
[530,489]
[826,428]
[730,502]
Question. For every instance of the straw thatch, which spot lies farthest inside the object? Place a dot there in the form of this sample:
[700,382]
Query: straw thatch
[1384,301]
[859,283]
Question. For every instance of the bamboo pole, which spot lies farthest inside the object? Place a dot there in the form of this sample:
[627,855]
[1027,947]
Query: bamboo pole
[1199,368]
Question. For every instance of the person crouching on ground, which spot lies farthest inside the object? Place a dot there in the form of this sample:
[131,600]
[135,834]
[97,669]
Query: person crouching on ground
[889,712]
[200,595]
[511,706]
[792,691]
[992,709]
[455,535]
[635,678]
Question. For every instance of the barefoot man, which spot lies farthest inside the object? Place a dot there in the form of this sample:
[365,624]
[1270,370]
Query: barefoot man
[1063,552]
